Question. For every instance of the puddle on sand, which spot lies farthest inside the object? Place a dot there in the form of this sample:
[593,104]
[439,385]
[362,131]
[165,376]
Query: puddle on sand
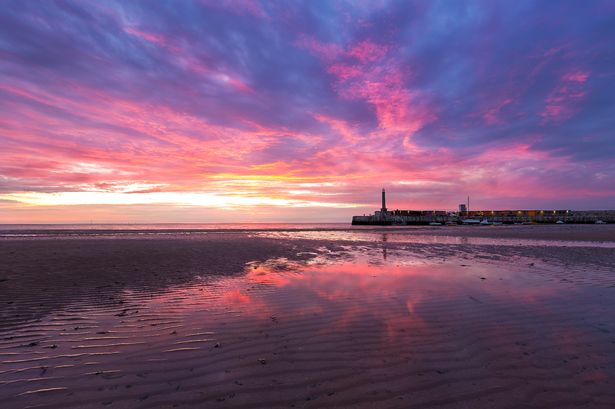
[350,331]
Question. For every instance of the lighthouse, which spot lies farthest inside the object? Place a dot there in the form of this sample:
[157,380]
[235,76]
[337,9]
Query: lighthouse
[384,202]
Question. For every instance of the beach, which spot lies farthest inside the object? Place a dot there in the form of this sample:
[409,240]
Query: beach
[429,317]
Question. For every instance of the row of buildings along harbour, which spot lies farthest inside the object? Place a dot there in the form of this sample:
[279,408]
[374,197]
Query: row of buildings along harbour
[385,217]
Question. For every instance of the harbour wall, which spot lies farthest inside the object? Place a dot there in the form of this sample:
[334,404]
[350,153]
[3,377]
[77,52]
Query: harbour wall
[424,217]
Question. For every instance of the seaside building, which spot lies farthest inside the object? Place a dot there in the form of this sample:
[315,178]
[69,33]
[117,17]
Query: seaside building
[398,217]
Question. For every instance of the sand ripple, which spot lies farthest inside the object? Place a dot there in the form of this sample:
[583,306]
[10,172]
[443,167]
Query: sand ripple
[412,327]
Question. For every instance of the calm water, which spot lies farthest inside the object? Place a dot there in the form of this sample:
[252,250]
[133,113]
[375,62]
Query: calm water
[310,231]
[181,226]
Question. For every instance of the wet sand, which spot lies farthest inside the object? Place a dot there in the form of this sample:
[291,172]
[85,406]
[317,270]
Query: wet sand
[254,320]
[571,232]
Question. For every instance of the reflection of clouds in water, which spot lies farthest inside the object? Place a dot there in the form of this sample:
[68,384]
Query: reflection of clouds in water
[364,289]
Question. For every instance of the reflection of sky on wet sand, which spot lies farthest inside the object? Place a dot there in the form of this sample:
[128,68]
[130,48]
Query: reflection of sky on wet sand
[357,327]
[411,237]
[366,288]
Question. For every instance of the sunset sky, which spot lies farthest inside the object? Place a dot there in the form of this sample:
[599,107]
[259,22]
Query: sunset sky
[206,111]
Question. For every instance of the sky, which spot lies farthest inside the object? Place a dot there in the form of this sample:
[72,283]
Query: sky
[248,111]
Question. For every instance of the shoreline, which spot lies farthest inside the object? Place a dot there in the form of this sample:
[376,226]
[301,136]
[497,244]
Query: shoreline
[567,232]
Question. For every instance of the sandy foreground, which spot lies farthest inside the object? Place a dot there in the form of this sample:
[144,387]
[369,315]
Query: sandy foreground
[329,319]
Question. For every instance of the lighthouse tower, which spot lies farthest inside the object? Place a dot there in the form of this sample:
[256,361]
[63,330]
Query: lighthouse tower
[384,203]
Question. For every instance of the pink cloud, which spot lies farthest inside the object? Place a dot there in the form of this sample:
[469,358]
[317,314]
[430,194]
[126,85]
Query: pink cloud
[340,126]
[491,117]
[576,76]
[563,102]
[345,72]
[325,51]
[218,158]
[397,108]
[367,51]
[156,39]
[379,81]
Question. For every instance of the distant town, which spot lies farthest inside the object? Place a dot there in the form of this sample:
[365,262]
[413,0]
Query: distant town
[385,217]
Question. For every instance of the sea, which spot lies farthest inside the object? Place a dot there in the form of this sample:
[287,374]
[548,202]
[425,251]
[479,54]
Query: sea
[180,226]
[443,235]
